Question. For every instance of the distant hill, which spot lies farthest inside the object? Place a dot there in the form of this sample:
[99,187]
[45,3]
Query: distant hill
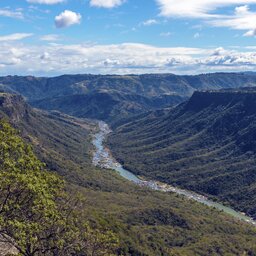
[148,85]
[122,95]
[207,144]
[107,105]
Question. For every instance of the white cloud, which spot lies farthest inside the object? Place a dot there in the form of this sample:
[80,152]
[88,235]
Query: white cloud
[45,56]
[149,22]
[15,37]
[52,59]
[111,62]
[240,10]
[45,1]
[9,62]
[250,33]
[106,3]
[55,59]
[231,59]
[67,18]
[243,19]
[210,11]
[196,8]
[6,12]
[50,38]
[218,51]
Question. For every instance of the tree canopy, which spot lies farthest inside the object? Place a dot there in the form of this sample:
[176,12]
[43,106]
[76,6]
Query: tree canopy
[37,216]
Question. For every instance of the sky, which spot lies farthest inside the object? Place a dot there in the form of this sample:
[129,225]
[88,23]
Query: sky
[54,37]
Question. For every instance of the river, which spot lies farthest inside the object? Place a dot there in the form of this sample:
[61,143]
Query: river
[102,158]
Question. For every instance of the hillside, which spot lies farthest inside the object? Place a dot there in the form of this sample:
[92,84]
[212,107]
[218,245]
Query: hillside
[147,222]
[206,144]
[53,135]
[112,97]
[148,85]
[110,106]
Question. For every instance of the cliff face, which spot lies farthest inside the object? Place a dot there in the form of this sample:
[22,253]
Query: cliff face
[207,144]
[13,107]
[223,98]
[227,114]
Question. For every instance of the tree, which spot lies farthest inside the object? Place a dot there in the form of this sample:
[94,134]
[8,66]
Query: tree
[37,216]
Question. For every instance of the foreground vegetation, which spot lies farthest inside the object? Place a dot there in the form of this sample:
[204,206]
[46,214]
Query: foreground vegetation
[37,216]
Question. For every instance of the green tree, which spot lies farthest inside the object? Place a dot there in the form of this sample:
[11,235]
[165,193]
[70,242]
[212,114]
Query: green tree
[37,216]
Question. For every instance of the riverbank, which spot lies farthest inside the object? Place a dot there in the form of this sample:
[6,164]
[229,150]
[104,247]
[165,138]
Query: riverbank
[103,158]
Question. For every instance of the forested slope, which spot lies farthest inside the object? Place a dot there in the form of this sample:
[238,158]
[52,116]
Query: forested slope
[206,144]
[110,106]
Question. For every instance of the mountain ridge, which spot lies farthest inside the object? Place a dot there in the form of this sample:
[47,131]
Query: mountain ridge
[115,97]
[36,88]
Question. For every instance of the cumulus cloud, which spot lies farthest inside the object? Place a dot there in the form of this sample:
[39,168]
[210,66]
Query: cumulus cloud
[231,59]
[15,37]
[45,56]
[55,59]
[111,62]
[45,1]
[67,18]
[106,3]
[218,51]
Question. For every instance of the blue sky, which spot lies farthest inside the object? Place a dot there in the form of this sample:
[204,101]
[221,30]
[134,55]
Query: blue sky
[52,37]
